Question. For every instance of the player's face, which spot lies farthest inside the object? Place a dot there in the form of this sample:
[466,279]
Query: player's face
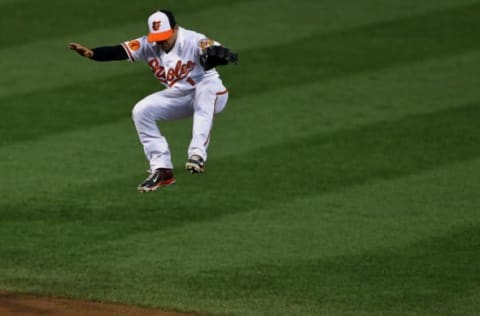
[168,44]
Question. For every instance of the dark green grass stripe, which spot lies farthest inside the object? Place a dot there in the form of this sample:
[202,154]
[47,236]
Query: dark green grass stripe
[307,166]
[425,276]
[26,21]
[75,107]
[316,59]
[388,44]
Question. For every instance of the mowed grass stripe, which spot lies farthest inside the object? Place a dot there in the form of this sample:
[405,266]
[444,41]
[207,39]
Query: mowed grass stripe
[7,2]
[306,166]
[75,107]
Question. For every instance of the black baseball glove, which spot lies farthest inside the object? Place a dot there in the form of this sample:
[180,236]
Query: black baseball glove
[217,55]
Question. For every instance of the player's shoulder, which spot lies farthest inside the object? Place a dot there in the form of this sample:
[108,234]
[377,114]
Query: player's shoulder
[196,39]
[191,35]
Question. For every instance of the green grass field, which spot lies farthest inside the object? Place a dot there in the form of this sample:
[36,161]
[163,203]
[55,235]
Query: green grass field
[343,176]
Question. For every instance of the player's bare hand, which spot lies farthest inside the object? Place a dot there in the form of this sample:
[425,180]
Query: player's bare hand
[82,50]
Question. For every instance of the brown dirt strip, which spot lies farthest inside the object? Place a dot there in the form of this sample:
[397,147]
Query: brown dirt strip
[12,304]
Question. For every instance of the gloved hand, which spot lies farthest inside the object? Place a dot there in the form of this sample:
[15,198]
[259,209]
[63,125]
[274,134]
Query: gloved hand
[217,55]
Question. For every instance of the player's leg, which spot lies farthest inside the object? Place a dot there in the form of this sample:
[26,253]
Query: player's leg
[168,104]
[210,98]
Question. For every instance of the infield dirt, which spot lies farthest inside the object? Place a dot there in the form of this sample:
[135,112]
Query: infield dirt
[12,304]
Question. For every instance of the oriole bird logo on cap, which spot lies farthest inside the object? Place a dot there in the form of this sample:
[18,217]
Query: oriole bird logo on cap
[156,25]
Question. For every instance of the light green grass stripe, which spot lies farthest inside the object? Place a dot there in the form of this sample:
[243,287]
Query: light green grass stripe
[58,67]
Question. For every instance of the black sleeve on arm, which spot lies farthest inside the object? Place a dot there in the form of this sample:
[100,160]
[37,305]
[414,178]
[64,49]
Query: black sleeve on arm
[108,53]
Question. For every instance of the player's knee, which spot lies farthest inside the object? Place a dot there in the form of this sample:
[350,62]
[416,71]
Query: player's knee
[140,111]
[221,102]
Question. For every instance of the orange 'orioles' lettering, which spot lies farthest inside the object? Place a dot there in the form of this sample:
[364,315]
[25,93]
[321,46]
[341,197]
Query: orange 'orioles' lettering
[172,75]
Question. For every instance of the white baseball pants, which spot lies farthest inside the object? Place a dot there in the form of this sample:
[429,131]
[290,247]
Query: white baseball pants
[208,98]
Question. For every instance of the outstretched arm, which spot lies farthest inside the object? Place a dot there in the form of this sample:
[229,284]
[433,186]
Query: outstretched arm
[105,53]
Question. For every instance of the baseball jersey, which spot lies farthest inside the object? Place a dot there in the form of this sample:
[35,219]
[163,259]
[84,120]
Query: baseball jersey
[180,67]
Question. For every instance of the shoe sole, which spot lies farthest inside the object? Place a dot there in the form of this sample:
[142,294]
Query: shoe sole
[194,168]
[165,183]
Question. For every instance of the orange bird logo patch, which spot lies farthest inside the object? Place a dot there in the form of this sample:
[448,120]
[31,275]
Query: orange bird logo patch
[134,45]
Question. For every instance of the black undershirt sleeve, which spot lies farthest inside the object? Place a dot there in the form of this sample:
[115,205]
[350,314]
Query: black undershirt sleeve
[109,53]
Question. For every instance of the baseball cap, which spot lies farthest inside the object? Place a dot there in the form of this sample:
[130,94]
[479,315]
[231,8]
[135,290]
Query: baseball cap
[159,27]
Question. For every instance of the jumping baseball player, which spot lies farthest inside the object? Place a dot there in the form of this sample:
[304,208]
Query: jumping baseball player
[184,62]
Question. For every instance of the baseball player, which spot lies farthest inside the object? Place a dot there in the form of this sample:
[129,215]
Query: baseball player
[184,62]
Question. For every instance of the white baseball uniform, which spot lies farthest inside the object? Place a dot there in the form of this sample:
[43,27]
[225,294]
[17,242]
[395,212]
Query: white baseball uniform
[190,90]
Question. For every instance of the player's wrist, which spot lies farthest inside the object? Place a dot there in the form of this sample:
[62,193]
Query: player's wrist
[89,53]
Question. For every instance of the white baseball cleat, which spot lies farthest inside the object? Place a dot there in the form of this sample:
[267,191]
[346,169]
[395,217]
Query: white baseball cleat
[195,164]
